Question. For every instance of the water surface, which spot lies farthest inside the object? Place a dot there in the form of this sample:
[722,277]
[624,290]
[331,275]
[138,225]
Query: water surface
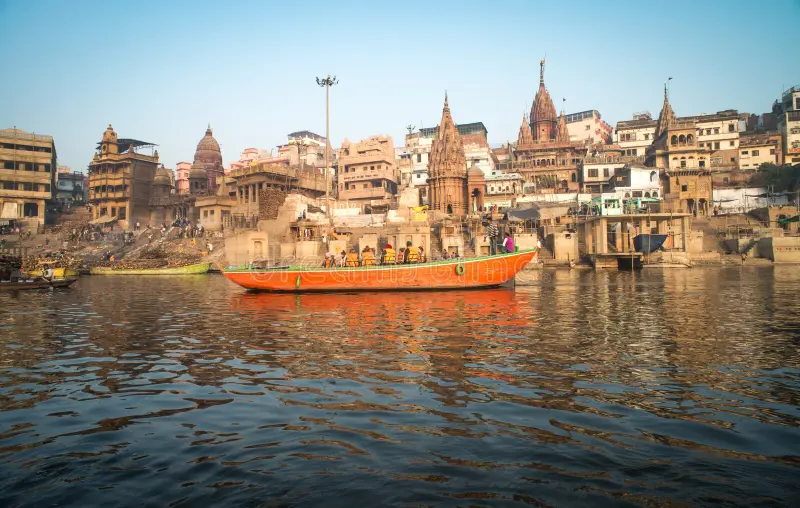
[582,389]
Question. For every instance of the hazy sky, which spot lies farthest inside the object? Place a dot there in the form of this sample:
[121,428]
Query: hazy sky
[160,71]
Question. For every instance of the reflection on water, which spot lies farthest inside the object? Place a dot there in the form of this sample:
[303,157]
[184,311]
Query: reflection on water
[575,388]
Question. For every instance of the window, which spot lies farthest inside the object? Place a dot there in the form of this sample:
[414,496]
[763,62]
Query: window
[702,163]
[637,193]
[646,137]
[587,127]
[683,163]
[211,213]
[46,187]
[708,132]
[8,165]
[419,157]
[372,168]
[772,151]
[592,172]
[732,143]
[605,172]
[365,186]
[205,213]
[755,153]
[731,127]
[379,166]
[702,145]
[684,188]
[716,130]
[745,152]
[733,159]
[716,145]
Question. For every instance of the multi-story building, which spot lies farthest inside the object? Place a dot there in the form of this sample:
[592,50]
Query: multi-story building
[72,187]
[718,136]
[759,148]
[367,173]
[636,181]
[636,135]
[121,180]
[597,172]
[182,181]
[788,111]
[676,145]
[588,127]
[27,175]
[499,183]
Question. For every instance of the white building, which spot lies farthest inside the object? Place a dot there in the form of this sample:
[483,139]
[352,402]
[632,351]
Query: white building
[634,136]
[503,183]
[595,172]
[757,149]
[789,124]
[718,134]
[637,181]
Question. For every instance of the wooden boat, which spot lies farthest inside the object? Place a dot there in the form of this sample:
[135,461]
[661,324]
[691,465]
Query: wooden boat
[197,269]
[36,284]
[58,273]
[646,243]
[479,272]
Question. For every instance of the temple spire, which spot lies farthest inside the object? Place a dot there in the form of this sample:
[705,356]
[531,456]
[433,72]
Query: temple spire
[541,71]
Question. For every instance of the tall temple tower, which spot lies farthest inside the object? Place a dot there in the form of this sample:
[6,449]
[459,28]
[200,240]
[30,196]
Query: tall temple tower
[447,169]
[208,157]
[544,125]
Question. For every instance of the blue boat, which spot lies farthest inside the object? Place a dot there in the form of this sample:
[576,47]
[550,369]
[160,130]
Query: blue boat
[648,243]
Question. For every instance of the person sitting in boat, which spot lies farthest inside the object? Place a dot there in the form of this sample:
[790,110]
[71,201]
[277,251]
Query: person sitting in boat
[508,243]
[352,258]
[401,256]
[367,257]
[328,262]
[388,255]
[445,255]
[422,258]
[411,255]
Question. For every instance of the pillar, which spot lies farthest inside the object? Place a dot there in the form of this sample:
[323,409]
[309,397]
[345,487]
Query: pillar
[588,237]
[602,235]
[685,233]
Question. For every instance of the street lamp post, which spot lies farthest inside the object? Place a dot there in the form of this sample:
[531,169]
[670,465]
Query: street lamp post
[327,83]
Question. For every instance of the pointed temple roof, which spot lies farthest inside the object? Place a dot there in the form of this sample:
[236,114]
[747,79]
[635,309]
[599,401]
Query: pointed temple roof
[666,117]
[563,131]
[543,109]
[525,136]
[447,151]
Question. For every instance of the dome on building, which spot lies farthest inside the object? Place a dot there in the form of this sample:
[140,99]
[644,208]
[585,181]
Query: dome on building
[197,171]
[208,153]
[163,177]
[110,134]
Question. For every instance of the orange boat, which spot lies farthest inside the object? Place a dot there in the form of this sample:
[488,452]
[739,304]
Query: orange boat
[479,272]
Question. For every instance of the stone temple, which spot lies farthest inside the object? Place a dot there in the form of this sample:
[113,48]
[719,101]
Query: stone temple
[208,157]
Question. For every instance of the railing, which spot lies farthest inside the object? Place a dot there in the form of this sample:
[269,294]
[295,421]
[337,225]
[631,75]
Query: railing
[108,195]
[9,193]
[375,192]
[622,159]
[356,176]
[24,135]
[270,169]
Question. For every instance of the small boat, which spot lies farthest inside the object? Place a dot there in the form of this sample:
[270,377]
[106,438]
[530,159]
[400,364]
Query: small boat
[647,243]
[197,269]
[58,273]
[36,284]
[482,272]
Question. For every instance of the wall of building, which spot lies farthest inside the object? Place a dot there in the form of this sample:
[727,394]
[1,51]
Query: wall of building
[27,175]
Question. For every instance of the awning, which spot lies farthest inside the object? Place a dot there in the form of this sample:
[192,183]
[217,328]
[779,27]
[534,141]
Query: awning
[103,220]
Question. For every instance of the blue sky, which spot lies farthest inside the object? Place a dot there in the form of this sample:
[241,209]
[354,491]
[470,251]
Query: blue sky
[161,70]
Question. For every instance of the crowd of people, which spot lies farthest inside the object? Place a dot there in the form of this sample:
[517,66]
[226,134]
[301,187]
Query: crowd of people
[369,257]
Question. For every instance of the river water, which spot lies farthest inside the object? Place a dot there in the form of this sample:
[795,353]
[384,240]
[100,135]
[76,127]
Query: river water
[575,389]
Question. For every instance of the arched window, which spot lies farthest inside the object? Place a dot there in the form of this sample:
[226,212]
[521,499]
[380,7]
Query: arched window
[627,194]
[682,139]
[574,178]
[655,194]
[674,140]
[689,139]
[647,194]
[653,176]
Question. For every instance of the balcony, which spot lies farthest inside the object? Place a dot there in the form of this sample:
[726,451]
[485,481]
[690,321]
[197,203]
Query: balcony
[8,193]
[108,179]
[359,175]
[269,169]
[108,195]
[372,193]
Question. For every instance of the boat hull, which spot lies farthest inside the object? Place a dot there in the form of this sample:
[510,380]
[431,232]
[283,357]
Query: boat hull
[58,273]
[648,243]
[464,274]
[197,269]
[39,284]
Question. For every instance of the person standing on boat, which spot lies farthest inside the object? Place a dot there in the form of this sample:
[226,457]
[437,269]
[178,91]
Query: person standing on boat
[492,232]
[508,243]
